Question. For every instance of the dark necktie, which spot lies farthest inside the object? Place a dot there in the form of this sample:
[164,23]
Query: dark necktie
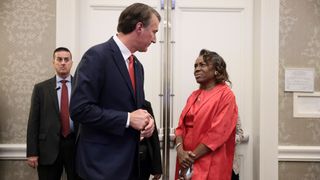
[131,72]
[64,110]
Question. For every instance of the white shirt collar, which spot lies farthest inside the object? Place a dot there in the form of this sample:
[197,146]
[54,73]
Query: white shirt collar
[58,78]
[124,50]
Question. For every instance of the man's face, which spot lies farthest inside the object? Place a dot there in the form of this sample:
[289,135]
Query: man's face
[62,63]
[148,34]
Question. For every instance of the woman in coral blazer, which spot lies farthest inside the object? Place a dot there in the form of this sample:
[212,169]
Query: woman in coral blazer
[205,134]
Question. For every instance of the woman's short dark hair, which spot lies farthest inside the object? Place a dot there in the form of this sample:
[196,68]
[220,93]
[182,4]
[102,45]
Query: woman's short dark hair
[219,65]
[133,14]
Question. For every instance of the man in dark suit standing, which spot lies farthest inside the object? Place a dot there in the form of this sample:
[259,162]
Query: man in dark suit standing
[108,97]
[149,151]
[51,133]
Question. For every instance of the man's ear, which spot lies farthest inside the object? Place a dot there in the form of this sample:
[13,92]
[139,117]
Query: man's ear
[139,26]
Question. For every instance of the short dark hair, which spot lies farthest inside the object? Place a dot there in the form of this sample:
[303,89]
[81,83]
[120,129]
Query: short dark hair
[61,49]
[220,66]
[133,14]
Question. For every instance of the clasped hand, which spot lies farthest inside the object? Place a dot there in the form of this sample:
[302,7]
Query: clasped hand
[141,120]
[186,159]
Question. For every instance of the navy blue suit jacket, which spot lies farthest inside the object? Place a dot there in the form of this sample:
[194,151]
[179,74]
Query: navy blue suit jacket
[101,99]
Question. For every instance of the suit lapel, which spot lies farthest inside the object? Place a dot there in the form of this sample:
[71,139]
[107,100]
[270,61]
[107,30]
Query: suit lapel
[138,71]
[53,93]
[120,62]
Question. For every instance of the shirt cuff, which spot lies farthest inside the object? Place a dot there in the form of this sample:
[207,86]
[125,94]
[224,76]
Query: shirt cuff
[128,121]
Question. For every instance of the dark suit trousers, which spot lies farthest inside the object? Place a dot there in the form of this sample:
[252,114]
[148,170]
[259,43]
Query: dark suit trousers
[65,159]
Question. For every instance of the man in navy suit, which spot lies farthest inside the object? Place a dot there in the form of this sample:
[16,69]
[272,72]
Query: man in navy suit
[107,103]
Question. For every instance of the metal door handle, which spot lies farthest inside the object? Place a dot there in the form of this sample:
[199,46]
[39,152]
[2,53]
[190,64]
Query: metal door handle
[162,4]
[173,4]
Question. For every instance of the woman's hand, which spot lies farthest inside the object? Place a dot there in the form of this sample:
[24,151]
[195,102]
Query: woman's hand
[186,158]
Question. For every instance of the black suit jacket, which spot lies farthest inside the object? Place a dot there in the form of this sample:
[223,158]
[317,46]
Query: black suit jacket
[43,133]
[153,148]
[102,97]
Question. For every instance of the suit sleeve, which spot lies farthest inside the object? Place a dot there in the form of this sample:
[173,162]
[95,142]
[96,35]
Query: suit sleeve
[33,124]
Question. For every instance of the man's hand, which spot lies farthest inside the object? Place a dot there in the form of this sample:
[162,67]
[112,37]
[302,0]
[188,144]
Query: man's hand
[149,128]
[33,161]
[139,119]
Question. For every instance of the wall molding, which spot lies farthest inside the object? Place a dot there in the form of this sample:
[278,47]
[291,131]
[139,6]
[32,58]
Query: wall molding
[299,153]
[286,153]
[13,151]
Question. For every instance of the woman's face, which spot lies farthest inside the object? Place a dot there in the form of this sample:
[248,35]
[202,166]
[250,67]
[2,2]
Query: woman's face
[203,72]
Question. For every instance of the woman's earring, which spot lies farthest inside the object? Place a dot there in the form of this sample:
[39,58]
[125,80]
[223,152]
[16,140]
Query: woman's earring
[215,72]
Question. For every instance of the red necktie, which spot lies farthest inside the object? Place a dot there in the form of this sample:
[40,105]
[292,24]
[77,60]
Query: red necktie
[131,72]
[64,110]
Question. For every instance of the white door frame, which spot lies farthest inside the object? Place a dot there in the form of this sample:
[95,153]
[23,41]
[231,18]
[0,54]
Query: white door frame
[265,152]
